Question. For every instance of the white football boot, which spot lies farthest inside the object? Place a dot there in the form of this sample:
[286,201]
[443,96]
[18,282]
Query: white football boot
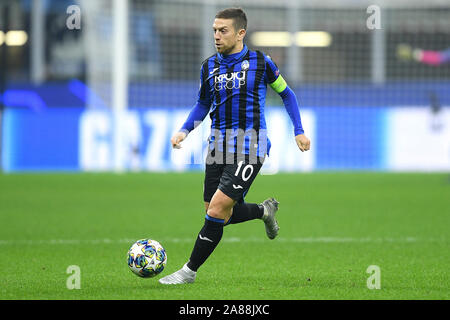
[270,208]
[184,275]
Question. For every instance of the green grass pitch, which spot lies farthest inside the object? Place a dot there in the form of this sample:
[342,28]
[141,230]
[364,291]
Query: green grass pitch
[333,226]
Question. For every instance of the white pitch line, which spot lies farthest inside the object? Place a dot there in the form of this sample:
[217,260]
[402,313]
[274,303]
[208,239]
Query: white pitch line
[226,240]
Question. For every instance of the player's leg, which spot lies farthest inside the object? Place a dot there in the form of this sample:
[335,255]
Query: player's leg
[208,238]
[219,211]
[245,211]
[235,182]
[218,208]
[213,173]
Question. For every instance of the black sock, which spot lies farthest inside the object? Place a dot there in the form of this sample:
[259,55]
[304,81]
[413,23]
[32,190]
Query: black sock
[206,242]
[246,211]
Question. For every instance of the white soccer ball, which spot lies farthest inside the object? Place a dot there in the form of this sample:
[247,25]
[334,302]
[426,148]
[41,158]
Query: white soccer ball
[147,258]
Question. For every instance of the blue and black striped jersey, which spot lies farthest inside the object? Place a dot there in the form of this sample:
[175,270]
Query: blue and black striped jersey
[235,87]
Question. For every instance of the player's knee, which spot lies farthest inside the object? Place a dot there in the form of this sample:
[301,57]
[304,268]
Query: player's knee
[219,210]
[215,211]
[220,206]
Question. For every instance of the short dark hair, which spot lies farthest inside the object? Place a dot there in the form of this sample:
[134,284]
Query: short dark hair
[238,16]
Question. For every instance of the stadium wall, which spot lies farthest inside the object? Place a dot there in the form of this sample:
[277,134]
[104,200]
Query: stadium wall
[411,138]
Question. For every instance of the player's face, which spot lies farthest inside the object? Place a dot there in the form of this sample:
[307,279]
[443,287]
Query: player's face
[226,38]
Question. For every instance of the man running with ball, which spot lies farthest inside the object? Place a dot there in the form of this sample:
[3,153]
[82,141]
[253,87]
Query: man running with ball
[233,85]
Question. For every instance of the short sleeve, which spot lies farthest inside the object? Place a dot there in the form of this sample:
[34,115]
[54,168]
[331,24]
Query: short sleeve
[272,71]
[273,76]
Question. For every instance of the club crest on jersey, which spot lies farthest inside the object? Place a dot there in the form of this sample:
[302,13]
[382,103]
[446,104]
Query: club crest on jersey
[245,65]
[230,80]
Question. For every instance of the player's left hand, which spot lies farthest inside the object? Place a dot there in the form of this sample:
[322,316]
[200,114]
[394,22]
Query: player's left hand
[303,142]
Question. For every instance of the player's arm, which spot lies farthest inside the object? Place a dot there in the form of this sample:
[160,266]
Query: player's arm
[198,112]
[291,104]
[279,85]
[196,116]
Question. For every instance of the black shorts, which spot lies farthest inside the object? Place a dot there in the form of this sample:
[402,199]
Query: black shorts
[232,179]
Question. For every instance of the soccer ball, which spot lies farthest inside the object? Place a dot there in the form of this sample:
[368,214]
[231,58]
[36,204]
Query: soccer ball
[147,258]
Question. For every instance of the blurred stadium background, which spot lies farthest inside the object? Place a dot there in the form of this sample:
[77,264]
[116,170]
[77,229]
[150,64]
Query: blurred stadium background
[102,85]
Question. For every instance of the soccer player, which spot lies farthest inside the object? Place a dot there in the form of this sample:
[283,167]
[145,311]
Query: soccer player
[233,84]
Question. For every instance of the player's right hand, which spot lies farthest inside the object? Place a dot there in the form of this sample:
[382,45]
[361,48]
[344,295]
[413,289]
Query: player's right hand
[177,139]
[303,142]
